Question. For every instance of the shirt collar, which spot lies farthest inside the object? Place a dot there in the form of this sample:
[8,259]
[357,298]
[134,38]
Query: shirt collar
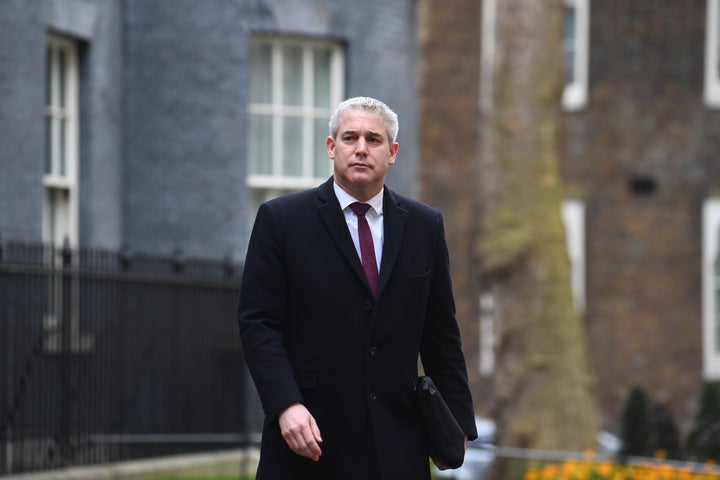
[346,199]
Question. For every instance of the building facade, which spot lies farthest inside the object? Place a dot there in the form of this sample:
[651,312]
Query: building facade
[642,157]
[642,174]
[159,126]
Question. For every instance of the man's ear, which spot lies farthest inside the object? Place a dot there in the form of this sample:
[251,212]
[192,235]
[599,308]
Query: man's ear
[394,147]
[330,145]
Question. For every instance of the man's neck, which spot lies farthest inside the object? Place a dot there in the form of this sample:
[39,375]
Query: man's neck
[346,198]
[359,195]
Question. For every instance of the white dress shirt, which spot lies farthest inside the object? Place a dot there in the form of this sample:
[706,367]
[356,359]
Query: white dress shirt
[374,217]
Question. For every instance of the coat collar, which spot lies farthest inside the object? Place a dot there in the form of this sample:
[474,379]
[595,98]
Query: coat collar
[394,217]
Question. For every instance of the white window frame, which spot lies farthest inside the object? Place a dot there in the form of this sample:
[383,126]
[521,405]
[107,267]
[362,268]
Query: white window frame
[486,342]
[60,218]
[573,216]
[710,289]
[487,54]
[60,179]
[575,93]
[712,55]
[277,183]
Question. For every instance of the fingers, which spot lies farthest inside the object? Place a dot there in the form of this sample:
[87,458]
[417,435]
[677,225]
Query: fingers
[300,431]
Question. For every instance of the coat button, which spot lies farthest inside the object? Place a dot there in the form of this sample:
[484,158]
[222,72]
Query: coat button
[373,351]
[373,397]
[368,306]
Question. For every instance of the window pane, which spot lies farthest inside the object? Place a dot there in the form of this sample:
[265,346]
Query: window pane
[260,145]
[321,162]
[48,76]
[717,304]
[48,113]
[60,135]
[717,321]
[292,90]
[63,147]
[292,144]
[59,215]
[322,77]
[292,76]
[260,73]
[48,143]
[62,71]
[569,44]
[51,213]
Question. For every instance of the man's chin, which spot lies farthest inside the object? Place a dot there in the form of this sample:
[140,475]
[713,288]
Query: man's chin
[362,181]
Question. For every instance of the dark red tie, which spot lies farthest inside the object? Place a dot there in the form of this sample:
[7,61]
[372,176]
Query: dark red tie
[367,249]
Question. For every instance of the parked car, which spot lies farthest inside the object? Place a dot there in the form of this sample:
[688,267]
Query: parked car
[608,442]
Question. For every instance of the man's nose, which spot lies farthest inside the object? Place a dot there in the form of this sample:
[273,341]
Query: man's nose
[361,146]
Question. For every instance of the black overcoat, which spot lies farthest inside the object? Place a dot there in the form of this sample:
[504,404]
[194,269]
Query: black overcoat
[312,332]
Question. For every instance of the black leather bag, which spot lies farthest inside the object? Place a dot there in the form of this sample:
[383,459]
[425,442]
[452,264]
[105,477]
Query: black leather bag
[445,437]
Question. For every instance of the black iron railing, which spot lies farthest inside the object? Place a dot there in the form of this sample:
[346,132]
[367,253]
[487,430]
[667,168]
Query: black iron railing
[108,356]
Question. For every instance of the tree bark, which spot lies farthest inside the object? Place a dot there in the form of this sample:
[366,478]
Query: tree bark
[542,387]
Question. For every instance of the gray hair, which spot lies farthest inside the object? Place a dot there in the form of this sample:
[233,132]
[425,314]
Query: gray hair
[366,104]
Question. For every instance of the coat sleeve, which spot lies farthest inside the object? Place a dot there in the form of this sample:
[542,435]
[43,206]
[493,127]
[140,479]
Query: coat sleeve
[262,315]
[441,348]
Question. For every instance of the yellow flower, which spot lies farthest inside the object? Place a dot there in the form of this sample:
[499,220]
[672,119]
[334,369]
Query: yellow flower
[605,469]
[660,454]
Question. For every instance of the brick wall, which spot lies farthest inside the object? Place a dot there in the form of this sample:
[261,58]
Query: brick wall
[449,124]
[641,156]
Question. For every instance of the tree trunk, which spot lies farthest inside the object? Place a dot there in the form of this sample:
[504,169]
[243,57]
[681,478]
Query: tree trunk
[542,389]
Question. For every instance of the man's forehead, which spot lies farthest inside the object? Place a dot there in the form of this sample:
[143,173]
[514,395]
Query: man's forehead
[359,120]
[361,129]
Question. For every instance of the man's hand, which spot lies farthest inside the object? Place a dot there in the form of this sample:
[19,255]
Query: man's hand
[440,465]
[300,431]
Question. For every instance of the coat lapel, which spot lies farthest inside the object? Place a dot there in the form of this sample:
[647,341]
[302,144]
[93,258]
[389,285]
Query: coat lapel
[334,220]
[394,217]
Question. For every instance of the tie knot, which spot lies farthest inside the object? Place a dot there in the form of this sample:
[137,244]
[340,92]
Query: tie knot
[359,208]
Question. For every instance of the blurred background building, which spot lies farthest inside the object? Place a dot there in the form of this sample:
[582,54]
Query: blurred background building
[142,136]
[641,166]
[159,126]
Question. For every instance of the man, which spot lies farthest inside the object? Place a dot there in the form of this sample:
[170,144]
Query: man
[332,344]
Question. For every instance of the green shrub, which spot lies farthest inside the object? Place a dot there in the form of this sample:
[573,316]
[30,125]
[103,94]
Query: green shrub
[704,440]
[636,424]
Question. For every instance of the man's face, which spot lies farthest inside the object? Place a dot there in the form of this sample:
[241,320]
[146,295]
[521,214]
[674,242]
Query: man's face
[361,153]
